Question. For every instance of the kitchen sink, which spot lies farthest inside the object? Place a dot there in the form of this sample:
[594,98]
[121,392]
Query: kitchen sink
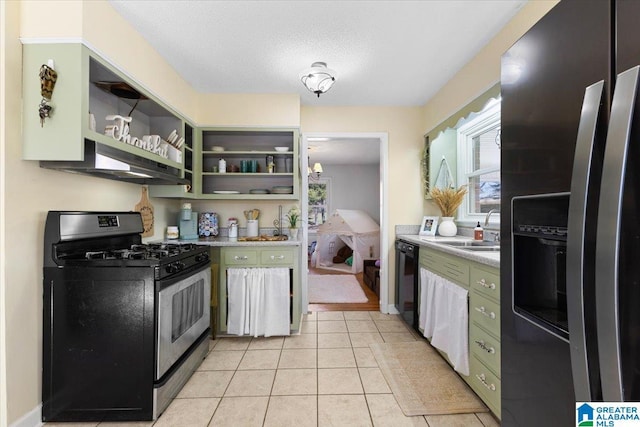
[473,245]
[481,248]
[470,243]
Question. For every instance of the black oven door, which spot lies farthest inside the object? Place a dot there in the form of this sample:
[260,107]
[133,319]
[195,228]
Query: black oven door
[183,315]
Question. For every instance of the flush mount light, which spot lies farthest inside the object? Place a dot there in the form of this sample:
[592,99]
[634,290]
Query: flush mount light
[318,79]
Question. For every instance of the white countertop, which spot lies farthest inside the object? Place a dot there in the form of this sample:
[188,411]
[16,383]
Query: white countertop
[491,259]
[224,241]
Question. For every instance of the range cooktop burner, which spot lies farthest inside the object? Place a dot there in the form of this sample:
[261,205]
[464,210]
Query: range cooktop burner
[142,251]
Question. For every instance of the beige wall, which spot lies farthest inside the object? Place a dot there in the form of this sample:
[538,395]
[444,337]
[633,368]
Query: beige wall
[222,109]
[29,192]
[9,101]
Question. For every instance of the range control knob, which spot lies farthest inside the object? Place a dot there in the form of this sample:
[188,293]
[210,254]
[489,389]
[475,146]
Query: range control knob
[180,265]
[171,268]
[202,257]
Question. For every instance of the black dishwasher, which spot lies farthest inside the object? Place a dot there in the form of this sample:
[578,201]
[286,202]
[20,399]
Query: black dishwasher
[407,282]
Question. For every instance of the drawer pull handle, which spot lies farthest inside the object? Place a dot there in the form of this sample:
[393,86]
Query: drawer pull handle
[241,258]
[483,346]
[274,257]
[484,284]
[483,380]
[483,311]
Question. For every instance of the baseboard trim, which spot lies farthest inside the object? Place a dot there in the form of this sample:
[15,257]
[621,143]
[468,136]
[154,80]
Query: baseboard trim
[391,309]
[32,418]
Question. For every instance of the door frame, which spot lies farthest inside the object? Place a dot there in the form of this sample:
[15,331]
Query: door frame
[383,139]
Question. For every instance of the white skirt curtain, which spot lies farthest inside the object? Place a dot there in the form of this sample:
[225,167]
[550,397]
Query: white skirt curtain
[258,301]
[444,318]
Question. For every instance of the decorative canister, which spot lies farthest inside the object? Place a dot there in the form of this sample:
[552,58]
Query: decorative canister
[172,232]
[222,166]
[208,224]
[233,229]
[186,211]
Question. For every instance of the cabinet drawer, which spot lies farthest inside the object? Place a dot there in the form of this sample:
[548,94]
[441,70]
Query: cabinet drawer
[450,267]
[240,257]
[486,384]
[276,257]
[485,313]
[485,282]
[485,347]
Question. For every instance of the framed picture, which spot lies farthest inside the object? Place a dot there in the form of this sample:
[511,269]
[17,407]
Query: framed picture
[428,226]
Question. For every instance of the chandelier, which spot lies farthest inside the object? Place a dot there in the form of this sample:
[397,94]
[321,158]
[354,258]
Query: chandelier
[318,79]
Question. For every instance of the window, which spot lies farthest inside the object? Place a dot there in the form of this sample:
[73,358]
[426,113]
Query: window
[318,202]
[479,163]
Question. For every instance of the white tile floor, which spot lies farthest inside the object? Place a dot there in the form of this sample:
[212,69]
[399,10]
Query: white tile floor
[326,376]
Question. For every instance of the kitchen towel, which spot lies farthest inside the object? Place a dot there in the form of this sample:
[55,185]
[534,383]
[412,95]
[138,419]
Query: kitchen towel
[444,317]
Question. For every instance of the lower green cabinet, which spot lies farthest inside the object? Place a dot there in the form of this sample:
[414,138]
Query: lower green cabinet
[260,257]
[483,283]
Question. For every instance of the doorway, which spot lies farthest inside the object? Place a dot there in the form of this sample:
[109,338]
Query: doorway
[354,173]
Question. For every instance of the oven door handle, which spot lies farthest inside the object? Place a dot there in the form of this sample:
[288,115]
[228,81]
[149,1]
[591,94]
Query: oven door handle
[165,283]
[581,182]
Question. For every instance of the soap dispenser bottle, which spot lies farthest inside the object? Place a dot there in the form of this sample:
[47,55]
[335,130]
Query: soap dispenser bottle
[478,232]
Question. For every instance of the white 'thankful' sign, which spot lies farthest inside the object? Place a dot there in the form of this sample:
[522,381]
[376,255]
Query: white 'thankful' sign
[119,131]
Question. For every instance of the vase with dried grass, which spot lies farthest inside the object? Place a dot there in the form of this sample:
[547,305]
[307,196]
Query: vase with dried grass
[448,201]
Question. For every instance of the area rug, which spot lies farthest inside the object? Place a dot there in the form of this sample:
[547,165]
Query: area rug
[422,382]
[335,288]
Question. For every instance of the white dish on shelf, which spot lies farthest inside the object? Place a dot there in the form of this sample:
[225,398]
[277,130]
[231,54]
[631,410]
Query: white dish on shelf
[282,149]
[225,192]
[217,148]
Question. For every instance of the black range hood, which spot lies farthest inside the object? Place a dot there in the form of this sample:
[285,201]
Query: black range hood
[108,162]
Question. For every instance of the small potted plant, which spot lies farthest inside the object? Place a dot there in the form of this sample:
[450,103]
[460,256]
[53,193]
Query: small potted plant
[448,200]
[293,217]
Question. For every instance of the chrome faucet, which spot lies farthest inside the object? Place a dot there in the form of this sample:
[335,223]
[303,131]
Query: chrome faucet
[486,220]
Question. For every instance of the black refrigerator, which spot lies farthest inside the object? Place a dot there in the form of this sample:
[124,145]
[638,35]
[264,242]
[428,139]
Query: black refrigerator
[570,213]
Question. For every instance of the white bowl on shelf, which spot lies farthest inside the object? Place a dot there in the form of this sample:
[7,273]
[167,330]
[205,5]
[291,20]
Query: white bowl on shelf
[217,148]
[282,149]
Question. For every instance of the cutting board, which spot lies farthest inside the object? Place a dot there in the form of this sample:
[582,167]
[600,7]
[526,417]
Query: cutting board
[145,208]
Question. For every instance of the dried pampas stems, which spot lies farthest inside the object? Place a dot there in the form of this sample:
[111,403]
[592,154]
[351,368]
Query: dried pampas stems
[448,199]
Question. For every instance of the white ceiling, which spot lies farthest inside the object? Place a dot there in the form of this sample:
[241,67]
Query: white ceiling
[344,151]
[393,53]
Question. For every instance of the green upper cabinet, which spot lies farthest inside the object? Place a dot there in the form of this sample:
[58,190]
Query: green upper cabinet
[61,136]
[247,154]
[89,85]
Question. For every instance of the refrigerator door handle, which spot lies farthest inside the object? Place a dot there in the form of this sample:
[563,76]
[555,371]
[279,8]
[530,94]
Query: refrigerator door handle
[608,233]
[580,183]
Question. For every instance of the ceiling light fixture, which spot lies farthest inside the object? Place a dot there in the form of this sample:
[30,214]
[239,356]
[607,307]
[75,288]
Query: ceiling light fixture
[318,79]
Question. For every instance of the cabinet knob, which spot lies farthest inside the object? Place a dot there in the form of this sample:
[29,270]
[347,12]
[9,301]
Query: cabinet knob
[482,282]
[484,312]
[483,346]
[482,378]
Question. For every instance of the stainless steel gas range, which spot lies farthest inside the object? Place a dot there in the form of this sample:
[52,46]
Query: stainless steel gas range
[125,324]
